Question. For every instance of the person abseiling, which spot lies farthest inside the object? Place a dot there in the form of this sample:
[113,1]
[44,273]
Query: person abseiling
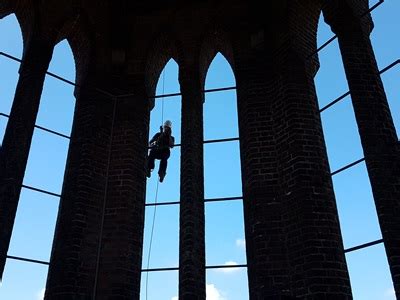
[160,146]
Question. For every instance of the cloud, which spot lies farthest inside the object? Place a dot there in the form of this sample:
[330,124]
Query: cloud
[390,294]
[40,294]
[241,243]
[212,293]
[228,270]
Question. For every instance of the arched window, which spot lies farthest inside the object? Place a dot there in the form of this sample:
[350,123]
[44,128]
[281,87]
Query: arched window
[355,203]
[10,43]
[224,222]
[33,231]
[164,236]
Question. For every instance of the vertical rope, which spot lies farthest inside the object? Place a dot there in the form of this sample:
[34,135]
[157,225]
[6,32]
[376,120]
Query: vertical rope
[162,99]
[151,241]
[104,200]
[156,197]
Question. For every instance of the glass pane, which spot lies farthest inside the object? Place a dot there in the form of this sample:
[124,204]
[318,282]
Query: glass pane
[224,284]
[219,74]
[330,80]
[225,244]
[357,211]
[220,115]
[46,162]
[324,31]
[10,43]
[57,105]
[58,102]
[341,135]
[168,81]
[8,82]
[369,274]
[23,280]
[165,245]
[160,285]
[34,226]
[220,108]
[222,175]
[11,36]
[62,62]
[386,28]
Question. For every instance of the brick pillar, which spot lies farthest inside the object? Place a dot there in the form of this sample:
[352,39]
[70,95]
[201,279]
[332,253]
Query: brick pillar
[293,240]
[313,238]
[122,238]
[191,233]
[76,243]
[263,209]
[18,135]
[376,128]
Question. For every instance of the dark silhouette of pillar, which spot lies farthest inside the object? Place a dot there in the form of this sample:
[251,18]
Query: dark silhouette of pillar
[313,238]
[293,239]
[191,235]
[263,209]
[375,124]
[120,262]
[74,257]
[18,136]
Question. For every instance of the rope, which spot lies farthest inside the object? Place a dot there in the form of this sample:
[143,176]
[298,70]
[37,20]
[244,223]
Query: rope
[155,200]
[151,241]
[162,100]
[104,200]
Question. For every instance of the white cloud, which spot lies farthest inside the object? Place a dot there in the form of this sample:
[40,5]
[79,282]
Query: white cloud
[40,294]
[390,294]
[229,270]
[212,293]
[241,243]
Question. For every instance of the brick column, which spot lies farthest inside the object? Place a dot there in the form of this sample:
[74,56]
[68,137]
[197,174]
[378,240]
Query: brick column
[122,237]
[263,209]
[314,242]
[376,128]
[75,249]
[18,135]
[293,239]
[191,234]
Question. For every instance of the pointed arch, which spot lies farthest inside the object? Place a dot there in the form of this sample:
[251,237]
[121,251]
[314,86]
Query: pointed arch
[164,47]
[23,13]
[215,41]
[76,30]
[12,44]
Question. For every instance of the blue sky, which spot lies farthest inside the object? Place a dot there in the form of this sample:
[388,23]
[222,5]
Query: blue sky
[36,216]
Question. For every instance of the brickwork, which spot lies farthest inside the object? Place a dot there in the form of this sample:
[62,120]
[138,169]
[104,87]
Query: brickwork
[122,236]
[313,239]
[293,241]
[191,218]
[73,260]
[18,136]
[375,124]
[289,204]
[266,253]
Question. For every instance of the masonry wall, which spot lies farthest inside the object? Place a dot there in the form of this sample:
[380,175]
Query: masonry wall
[293,241]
